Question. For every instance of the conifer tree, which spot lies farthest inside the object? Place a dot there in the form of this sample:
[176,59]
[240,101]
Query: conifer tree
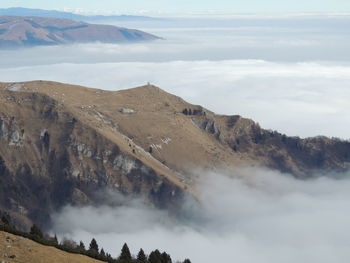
[36,231]
[165,258]
[141,257]
[187,261]
[125,254]
[93,246]
[102,253]
[81,245]
[155,257]
[55,239]
[6,219]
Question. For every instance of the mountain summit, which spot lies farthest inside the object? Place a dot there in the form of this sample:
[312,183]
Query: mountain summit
[61,144]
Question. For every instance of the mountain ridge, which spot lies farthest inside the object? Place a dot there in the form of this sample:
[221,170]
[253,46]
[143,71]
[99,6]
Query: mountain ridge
[66,142]
[35,31]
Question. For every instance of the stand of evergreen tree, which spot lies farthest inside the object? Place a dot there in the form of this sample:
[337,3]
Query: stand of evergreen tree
[155,257]
[36,231]
[37,235]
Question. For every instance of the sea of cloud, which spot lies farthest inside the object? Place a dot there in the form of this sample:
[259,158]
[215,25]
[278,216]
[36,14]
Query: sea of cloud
[247,215]
[288,74]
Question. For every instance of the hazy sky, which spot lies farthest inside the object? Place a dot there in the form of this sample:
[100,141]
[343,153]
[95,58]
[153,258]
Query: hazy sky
[187,7]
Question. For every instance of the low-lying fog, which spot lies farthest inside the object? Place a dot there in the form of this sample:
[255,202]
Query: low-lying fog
[255,215]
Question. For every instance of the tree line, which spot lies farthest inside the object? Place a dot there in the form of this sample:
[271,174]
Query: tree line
[93,251]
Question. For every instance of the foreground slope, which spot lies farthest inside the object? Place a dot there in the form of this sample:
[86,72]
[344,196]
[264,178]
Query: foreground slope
[22,250]
[61,144]
[18,31]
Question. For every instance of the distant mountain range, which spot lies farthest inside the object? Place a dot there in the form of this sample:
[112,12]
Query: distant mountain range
[17,31]
[20,11]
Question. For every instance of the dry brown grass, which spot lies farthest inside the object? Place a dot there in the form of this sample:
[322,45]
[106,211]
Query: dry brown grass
[179,145]
[28,251]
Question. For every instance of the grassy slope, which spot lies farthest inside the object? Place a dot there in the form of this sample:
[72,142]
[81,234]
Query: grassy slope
[176,140]
[28,251]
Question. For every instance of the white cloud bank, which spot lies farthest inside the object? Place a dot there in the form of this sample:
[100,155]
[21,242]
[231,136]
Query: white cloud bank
[262,217]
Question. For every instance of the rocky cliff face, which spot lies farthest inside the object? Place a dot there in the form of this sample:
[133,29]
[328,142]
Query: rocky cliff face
[300,157]
[62,144]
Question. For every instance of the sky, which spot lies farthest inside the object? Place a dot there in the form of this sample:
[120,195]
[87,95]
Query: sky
[185,6]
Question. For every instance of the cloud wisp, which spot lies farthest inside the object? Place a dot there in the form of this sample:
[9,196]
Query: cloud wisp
[247,215]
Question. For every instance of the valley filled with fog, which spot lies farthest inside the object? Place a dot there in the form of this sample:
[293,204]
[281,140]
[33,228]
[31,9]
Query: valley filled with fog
[290,74]
[247,215]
